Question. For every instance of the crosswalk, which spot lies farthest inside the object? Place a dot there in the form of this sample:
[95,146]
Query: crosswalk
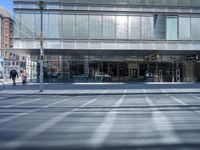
[141,121]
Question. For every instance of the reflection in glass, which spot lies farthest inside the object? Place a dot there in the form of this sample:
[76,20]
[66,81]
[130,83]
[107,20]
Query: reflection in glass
[184,27]
[68,26]
[134,27]
[172,27]
[121,27]
[82,27]
[147,27]
[108,27]
[95,27]
[159,26]
[195,22]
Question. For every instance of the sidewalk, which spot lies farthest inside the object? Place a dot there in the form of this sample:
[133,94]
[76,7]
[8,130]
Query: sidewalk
[72,89]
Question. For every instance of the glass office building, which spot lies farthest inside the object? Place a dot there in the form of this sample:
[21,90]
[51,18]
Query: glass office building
[112,40]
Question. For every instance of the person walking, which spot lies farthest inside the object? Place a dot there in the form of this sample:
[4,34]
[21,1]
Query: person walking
[24,77]
[13,75]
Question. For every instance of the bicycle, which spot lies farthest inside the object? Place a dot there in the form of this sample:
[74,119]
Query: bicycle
[2,85]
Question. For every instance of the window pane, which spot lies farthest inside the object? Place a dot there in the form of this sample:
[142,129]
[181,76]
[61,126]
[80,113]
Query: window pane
[160,2]
[172,2]
[184,28]
[68,26]
[195,22]
[121,1]
[134,27]
[184,2]
[166,2]
[195,2]
[95,27]
[147,27]
[27,25]
[135,2]
[52,25]
[82,27]
[108,1]
[147,2]
[121,25]
[37,24]
[159,26]
[172,26]
[108,27]
[17,25]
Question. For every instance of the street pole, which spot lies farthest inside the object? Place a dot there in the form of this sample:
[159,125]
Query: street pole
[41,6]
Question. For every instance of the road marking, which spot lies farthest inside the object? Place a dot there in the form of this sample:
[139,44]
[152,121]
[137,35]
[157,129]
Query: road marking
[103,130]
[43,127]
[198,98]
[52,104]
[176,99]
[21,103]
[163,90]
[182,103]
[162,124]
[105,91]
[30,111]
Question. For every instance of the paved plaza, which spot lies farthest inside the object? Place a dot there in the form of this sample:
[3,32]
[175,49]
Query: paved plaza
[100,122]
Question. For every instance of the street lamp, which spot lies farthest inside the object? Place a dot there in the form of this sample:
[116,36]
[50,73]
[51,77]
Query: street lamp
[41,5]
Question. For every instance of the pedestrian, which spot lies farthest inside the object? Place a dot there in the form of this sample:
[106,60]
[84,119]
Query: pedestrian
[24,77]
[13,75]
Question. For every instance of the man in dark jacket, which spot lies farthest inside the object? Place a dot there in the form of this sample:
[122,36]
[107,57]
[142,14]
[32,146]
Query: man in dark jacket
[13,75]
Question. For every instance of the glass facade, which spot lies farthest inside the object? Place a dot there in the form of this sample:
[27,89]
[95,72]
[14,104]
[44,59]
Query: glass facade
[123,40]
[108,26]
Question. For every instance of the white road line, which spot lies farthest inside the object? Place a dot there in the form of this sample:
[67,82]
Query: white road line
[52,104]
[84,91]
[163,90]
[42,127]
[177,100]
[17,115]
[162,125]
[182,103]
[125,91]
[21,103]
[105,91]
[196,97]
[103,130]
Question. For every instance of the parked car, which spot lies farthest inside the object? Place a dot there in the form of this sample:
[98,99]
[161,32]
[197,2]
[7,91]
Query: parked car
[104,78]
[151,77]
[80,78]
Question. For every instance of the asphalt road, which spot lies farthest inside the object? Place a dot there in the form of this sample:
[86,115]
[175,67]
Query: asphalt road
[102,122]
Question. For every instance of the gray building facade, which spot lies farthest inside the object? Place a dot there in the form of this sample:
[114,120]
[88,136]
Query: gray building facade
[115,40]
